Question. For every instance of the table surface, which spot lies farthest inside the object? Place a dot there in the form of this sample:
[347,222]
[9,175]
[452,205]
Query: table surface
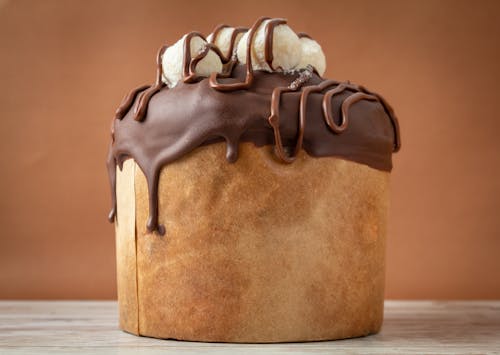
[91,327]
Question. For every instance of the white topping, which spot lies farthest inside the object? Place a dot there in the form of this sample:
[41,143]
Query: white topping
[286,48]
[290,53]
[312,54]
[173,58]
[223,40]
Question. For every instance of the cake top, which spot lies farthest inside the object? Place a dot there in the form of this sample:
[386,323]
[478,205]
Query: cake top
[260,85]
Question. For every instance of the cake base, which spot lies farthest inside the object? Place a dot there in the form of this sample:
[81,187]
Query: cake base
[255,251]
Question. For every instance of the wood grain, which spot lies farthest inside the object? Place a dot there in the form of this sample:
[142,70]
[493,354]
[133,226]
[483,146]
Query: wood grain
[91,327]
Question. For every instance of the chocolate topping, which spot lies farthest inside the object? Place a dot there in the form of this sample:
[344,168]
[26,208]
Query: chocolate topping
[291,111]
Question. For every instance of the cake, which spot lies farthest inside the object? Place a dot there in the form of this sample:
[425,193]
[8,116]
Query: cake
[250,194]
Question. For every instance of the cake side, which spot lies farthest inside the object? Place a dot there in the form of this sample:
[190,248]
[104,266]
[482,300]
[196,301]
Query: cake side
[261,252]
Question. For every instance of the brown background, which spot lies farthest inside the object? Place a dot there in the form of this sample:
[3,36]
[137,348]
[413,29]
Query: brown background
[65,65]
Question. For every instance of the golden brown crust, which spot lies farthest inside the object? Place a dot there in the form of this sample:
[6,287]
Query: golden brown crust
[258,251]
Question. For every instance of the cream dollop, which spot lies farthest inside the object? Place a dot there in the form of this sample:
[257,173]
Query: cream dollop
[286,48]
[289,52]
[312,54]
[223,40]
[173,58]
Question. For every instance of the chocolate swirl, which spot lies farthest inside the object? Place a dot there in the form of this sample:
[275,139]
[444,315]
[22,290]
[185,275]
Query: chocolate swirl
[145,93]
[232,41]
[246,106]
[249,70]
[268,35]
[360,94]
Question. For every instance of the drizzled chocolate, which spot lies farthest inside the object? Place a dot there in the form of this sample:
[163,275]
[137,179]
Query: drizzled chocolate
[232,41]
[291,111]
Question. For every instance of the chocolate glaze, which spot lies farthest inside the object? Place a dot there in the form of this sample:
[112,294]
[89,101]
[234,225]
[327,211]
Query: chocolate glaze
[144,92]
[343,119]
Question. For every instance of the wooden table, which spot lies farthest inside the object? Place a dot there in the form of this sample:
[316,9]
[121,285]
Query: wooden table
[90,327]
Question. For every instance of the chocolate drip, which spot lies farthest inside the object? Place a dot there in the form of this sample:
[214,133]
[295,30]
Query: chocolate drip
[145,92]
[128,100]
[145,96]
[371,96]
[327,108]
[361,94]
[111,165]
[152,179]
[274,118]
